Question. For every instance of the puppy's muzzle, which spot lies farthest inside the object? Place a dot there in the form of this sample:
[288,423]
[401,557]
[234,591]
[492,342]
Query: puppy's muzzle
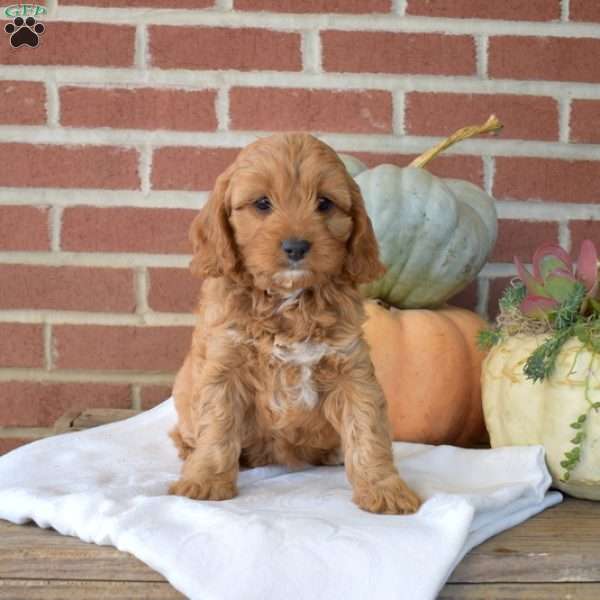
[295,249]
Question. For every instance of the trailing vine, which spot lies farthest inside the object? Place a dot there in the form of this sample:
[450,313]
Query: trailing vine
[560,301]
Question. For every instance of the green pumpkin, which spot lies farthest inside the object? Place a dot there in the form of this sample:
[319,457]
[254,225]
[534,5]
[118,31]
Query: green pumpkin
[434,234]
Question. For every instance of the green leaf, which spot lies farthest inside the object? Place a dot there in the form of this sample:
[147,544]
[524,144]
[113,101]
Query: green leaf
[575,425]
[578,438]
[542,360]
[568,313]
[560,288]
[513,296]
[487,338]
[595,305]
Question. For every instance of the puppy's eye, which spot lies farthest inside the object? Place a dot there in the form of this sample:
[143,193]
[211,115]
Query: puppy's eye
[324,204]
[263,205]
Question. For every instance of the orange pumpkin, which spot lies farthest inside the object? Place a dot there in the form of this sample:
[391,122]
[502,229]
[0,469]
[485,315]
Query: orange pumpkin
[429,366]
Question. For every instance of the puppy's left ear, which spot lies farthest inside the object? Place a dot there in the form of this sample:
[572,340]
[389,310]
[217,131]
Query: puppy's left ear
[362,263]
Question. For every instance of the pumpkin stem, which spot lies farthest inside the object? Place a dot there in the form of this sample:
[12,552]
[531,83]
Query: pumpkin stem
[491,125]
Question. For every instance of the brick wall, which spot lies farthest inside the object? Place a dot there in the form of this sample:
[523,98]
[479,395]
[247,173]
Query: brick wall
[113,130]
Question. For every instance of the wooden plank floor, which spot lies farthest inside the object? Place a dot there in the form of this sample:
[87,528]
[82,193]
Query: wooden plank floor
[553,555]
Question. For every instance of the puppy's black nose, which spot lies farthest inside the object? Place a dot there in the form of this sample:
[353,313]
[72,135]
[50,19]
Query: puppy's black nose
[295,249]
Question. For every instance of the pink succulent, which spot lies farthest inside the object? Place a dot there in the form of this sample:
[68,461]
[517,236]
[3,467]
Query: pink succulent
[555,277]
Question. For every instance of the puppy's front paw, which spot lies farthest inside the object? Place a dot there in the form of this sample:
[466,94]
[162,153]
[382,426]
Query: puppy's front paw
[389,496]
[213,490]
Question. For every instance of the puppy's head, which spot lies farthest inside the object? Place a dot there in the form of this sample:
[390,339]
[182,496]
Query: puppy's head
[288,213]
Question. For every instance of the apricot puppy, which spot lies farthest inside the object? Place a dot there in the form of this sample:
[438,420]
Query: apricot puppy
[278,371]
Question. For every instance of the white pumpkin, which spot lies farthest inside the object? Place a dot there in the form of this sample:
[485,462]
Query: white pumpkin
[434,234]
[519,412]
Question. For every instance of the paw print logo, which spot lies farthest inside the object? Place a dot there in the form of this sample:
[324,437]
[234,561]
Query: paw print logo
[24,32]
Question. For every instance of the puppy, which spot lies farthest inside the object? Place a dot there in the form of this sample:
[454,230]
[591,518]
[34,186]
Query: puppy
[279,371]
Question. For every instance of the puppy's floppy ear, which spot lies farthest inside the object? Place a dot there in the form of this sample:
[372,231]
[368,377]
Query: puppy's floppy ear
[212,236]
[362,263]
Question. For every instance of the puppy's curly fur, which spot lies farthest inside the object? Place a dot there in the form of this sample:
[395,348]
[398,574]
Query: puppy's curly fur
[278,371]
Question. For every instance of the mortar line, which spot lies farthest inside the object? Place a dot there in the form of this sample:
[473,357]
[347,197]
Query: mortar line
[48,347]
[293,22]
[564,234]
[311,52]
[481,55]
[145,155]
[564,119]
[141,47]
[52,104]
[142,288]
[85,318]
[188,79]
[56,213]
[136,397]
[222,107]
[489,172]
[87,376]
[399,7]
[399,113]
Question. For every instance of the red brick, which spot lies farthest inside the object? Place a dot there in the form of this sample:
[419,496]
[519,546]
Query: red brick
[585,121]
[85,44]
[173,290]
[120,348]
[153,395]
[466,298]
[217,48]
[584,230]
[454,166]
[22,103]
[556,180]
[521,238]
[141,3]
[513,10]
[35,404]
[8,444]
[21,345]
[544,58]
[497,287]
[584,10]
[138,108]
[24,228]
[277,109]
[189,168]
[315,6]
[387,52]
[66,288]
[524,117]
[90,229]
[100,167]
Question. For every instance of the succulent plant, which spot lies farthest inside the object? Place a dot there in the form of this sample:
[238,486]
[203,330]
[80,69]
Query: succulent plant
[557,283]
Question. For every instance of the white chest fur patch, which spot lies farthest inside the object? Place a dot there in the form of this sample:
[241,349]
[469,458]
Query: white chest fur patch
[305,355]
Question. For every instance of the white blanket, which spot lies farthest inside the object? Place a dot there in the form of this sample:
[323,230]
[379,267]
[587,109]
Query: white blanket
[289,534]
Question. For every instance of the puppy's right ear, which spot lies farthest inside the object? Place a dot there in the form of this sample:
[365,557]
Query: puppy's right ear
[212,236]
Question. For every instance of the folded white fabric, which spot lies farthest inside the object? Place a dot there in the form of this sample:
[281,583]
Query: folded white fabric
[289,534]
